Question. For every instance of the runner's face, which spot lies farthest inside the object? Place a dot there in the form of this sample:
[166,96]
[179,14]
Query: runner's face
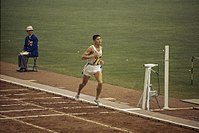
[98,41]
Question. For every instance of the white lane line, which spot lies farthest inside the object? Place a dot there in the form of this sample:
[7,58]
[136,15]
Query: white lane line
[5,95]
[21,110]
[51,115]
[46,98]
[32,116]
[106,106]
[7,90]
[29,124]
[109,98]
[131,109]
[31,80]
[81,107]
[12,99]
[83,119]
[87,120]
[9,105]
[86,113]
[48,103]
[98,123]
[21,99]
[72,115]
[152,117]
[21,94]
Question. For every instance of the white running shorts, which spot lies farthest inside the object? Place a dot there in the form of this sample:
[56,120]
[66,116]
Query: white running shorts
[90,70]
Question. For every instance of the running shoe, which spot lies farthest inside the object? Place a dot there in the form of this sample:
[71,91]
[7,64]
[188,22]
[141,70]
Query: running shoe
[77,97]
[97,102]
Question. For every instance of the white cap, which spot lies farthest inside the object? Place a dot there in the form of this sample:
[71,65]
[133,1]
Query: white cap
[29,28]
[150,65]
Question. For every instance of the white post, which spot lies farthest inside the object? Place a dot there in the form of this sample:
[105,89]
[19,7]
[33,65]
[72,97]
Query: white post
[166,78]
[147,86]
[144,96]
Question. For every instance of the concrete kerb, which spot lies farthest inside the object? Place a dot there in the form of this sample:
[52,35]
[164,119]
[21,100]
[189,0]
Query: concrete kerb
[104,103]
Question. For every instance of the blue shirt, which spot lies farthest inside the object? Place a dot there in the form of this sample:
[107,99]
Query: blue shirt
[31,45]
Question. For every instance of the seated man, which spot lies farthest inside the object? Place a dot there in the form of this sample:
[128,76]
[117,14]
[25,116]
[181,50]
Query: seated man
[30,49]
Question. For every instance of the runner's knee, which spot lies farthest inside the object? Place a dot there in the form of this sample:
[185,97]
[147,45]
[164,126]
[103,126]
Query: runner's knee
[100,83]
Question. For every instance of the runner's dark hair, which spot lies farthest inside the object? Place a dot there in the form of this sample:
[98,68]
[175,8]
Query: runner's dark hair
[95,36]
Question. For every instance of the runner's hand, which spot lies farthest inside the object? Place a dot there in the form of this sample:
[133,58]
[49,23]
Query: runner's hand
[101,62]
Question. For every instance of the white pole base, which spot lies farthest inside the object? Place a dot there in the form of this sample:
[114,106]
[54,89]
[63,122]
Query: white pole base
[166,108]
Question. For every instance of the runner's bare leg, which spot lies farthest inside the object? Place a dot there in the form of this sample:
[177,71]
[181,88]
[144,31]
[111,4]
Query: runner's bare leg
[98,77]
[84,82]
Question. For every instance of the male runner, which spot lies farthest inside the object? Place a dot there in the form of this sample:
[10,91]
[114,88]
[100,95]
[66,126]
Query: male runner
[93,56]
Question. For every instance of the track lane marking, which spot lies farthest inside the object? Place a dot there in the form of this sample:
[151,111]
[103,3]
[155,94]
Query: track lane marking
[21,99]
[51,115]
[29,124]
[191,126]
[72,116]
[31,116]
[21,110]
[7,90]
[83,119]
[9,105]
[48,103]
[22,94]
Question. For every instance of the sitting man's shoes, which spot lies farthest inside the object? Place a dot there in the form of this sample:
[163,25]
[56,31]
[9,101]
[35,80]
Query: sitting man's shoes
[21,70]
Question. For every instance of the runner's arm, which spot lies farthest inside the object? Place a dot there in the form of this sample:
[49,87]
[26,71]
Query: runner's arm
[88,54]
